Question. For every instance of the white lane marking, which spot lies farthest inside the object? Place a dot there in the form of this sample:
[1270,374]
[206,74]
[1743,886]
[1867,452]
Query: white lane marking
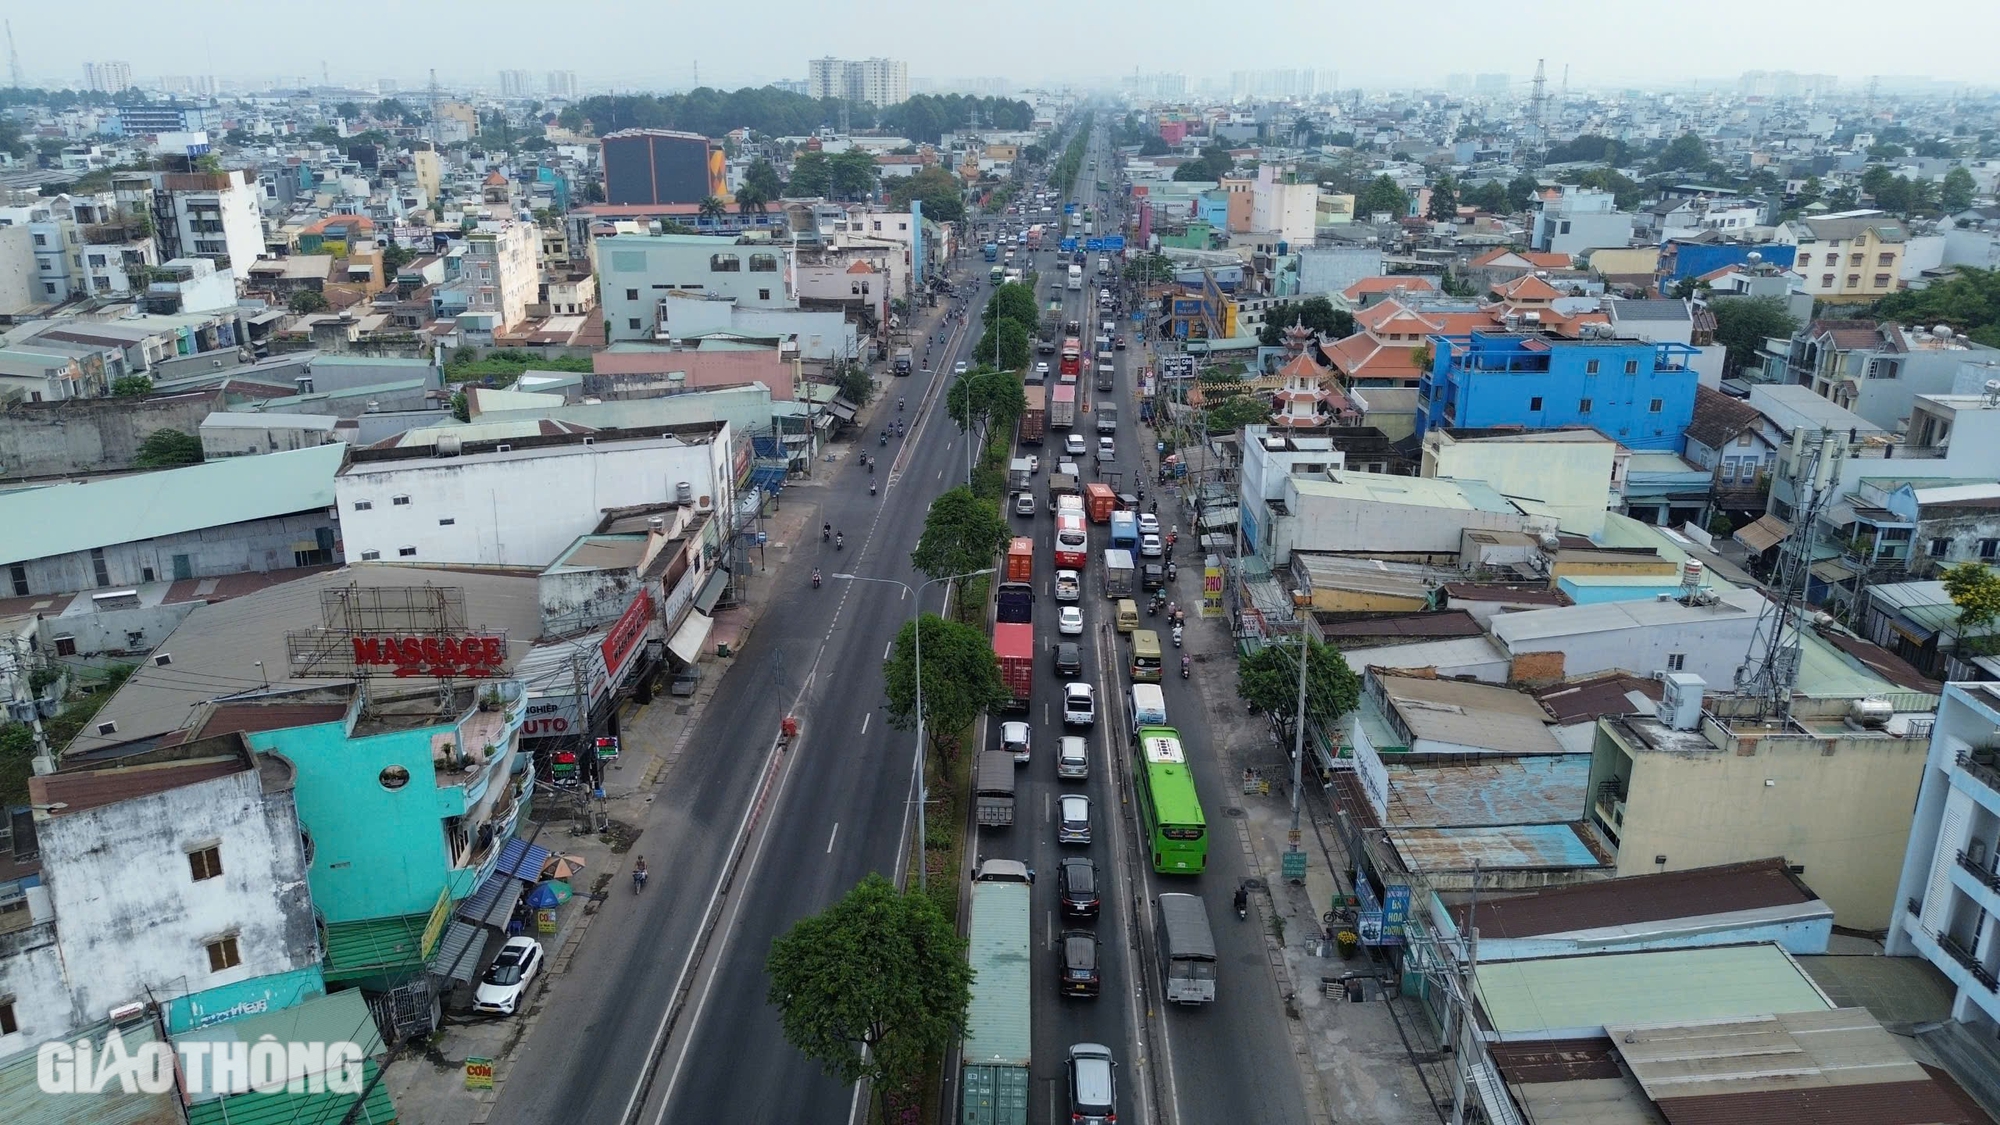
[864,721]
[888,650]
[1048,805]
[831,836]
[1052,929]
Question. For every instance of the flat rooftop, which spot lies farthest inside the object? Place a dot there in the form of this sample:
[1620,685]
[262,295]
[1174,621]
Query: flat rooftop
[1763,884]
[1572,997]
[1509,847]
[1474,715]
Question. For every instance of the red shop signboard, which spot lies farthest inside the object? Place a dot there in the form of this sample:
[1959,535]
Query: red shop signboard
[478,655]
[624,637]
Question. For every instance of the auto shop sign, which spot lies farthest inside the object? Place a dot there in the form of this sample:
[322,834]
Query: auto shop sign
[551,716]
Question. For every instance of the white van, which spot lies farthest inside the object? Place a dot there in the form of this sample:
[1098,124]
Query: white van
[1149,706]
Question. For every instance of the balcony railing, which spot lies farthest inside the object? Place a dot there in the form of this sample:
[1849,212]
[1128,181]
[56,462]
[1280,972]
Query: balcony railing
[1984,875]
[1915,908]
[1981,767]
[1971,964]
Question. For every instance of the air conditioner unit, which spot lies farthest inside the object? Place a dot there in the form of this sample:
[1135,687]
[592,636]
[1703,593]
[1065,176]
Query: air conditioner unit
[162,659]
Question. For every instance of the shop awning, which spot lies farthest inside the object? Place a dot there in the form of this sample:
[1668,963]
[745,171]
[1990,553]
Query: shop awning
[1833,572]
[521,859]
[1766,533]
[842,409]
[458,954]
[493,903]
[688,639]
[711,592]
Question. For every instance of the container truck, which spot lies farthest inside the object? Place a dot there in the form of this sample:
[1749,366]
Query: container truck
[1035,415]
[1061,485]
[1062,406]
[1118,578]
[1099,501]
[1021,559]
[1125,530]
[994,1055]
[904,358]
[993,789]
[1014,603]
[1107,417]
[1014,646]
[1105,374]
[1045,333]
[1075,282]
[1020,473]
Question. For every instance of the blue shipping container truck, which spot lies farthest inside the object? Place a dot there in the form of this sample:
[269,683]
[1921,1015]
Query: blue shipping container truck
[994,1085]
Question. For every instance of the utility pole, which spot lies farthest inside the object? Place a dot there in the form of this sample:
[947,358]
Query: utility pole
[24,706]
[1299,746]
[1464,1041]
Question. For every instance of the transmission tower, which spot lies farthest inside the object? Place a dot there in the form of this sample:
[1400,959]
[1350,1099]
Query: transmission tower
[14,61]
[434,107]
[1771,665]
[1539,102]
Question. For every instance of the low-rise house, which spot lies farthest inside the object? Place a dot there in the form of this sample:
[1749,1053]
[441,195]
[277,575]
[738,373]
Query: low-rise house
[1739,446]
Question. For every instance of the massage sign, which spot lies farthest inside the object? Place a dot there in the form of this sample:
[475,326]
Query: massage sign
[438,657]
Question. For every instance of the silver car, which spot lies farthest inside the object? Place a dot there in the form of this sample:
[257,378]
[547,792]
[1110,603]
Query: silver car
[1073,819]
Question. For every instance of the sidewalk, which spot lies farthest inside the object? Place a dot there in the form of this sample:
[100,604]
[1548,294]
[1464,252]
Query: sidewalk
[1352,1056]
[426,1080]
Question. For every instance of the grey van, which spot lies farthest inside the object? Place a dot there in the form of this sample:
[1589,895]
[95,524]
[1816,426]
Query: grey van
[1093,1099]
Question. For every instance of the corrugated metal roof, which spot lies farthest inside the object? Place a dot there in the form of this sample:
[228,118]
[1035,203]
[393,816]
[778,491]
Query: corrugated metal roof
[1584,700]
[997,1028]
[1568,997]
[302,1108]
[26,1104]
[460,949]
[1886,1103]
[1512,847]
[61,519]
[521,860]
[94,788]
[1782,1052]
[1481,716]
[1641,898]
[1557,1060]
[374,945]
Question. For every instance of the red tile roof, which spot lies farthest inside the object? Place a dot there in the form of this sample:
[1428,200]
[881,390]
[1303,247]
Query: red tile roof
[1527,287]
[1369,285]
[1878,1103]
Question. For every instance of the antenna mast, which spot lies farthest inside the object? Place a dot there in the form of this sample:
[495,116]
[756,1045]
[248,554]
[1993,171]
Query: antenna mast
[434,107]
[1539,103]
[14,61]
[1771,665]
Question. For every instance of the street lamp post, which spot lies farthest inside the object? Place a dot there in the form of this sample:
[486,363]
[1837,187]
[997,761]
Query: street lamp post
[917,636]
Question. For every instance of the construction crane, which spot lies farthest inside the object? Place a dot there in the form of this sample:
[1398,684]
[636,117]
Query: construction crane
[14,77]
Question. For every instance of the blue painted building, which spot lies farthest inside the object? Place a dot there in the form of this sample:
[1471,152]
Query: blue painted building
[1683,259]
[1637,393]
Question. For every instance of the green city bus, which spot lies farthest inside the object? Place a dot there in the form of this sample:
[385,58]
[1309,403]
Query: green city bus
[1169,811]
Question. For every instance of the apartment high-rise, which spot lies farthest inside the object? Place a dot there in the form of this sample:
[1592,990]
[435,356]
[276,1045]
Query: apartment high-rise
[878,82]
[107,77]
[562,83]
[516,83]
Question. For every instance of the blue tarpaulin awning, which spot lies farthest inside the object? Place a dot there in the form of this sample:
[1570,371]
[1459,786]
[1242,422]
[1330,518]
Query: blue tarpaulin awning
[522,860]
[493,903]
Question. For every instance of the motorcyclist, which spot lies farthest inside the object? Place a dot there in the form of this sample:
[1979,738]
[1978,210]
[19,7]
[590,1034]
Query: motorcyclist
[825,532]
[871,488]
[1242,900]
[1187,665]
[815,578]
[899,406]
[839,540]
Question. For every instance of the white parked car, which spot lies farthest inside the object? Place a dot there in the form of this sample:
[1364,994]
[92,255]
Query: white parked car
[1014,740]
[507,979]
[1069,621]
[1069,586]
[1074,445]
[1149,524]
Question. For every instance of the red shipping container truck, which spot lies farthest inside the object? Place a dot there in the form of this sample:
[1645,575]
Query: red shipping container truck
[1035,416]
[1014,647]
[1099,502]
[1021,560]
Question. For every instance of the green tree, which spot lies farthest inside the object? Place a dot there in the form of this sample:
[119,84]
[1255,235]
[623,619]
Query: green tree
[872,988]
[307,301]
[961,533]
[852,173]
[349,110]
[712,209]
[1968,301]
[394,258]
[1268,679]
[1444,200]
[461,406]
[1975,589]
[750,200]
[1521,191]
[1154,145]
[937,188]
[984,401]
[1685,153]
[165,449]
[1490,197]
[1237,411]
[131,386]
[1147,268]
[1887,152]
[961,680]
[1035,154]
[1013,301]
[856,384]
[762,176]
[1013,344]
[1956,193]
[1382,194]
[1316,313]
[1742,324]
[1689,287]
[1421,357]
[812,176]
[1589,146]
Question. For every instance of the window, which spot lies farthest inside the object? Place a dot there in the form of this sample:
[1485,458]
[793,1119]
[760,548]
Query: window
[8,1024]
[447,521]
[1729,471]
[1853,281]
[1854,259]
[763,294]
[1989,548]
[49,287]
[406,552]
[1677,661]
[1895,535]
[1940,546]
[763,263]
[1565,227]
[393,778]
[1826,281]
[1746,440]
[1881,281]
[65,646]
[631,294]
[400,501]
[632,323]
[205,863]
[1656,406]
[97,564]
[19,573]
[41,240]
[363,505]
[1590,367]
[223,954]
[724,263]
[1886,260]
[370,556]
[1833,259]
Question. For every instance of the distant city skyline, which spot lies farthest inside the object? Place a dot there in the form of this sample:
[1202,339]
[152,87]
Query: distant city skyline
[1611,44]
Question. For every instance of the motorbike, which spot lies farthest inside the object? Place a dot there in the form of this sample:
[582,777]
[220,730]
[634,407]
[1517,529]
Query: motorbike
[826,533]
[1186,667]
[899,406]
[840,542]
[1171,572]
[815,579]
[638,880]
[885,437]
[1152,607]
[1177,636]
[871,488]
[1242,904]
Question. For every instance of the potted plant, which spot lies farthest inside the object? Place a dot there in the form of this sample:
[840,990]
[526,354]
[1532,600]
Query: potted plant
[1349,944]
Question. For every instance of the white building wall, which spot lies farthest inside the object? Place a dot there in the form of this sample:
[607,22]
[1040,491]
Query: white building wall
[515,509]
[241,239]
[1710,646]
[133,923]
[20,284]
[1323,523]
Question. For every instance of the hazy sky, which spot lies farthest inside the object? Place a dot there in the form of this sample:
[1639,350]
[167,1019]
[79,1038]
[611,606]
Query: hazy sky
[651,45]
